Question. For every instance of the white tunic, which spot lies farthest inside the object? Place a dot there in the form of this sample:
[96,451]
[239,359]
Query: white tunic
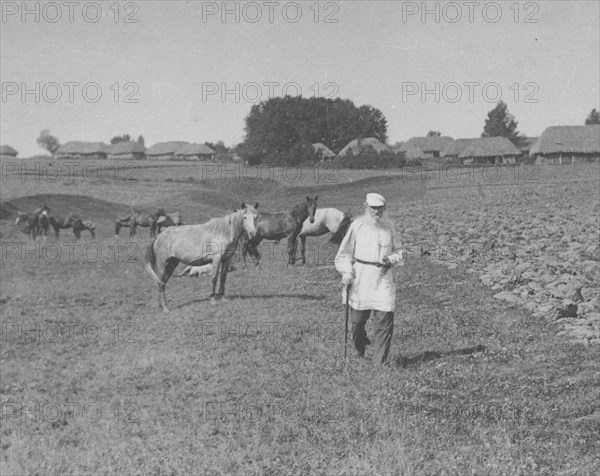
[371,242]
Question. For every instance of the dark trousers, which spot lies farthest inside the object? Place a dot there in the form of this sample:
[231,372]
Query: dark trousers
[383,323]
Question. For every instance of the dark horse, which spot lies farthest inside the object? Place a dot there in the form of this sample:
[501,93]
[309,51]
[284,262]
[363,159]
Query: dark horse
[81,225]
[275,226]
[212,242]
[137,219]
[36,223]
[165,220]
[62,223]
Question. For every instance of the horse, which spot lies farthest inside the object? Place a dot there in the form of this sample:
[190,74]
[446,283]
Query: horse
[326,220]
[212,242]
[29,221]
[81,225]
[165,220]
[62,223]
[137,219]
[36,222]
[275,226]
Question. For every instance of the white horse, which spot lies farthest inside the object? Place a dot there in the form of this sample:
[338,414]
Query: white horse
[327,220]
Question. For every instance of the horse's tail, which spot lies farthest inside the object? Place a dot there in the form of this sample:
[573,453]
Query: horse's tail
[338,236]
[151,262]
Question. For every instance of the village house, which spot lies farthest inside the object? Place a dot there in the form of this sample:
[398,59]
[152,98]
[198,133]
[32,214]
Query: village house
[323,151]
[82,150]
[567,145]
[194,152]
[164,150]
[358,144]
[126,151]
[8,151]
[482,150]
[430,147]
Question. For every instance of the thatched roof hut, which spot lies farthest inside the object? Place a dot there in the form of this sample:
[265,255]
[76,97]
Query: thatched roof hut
[82,150]
[567,144]
[8,151]
[126,150]
[194,152]
[453,149]
[357,145]
[413,154]
[431,146]
[164,150]
[494,150]
[323,151]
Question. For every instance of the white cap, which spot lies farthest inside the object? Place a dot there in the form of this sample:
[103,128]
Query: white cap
[375,200]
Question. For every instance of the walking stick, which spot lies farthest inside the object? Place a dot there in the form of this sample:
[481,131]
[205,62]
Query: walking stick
[346,325]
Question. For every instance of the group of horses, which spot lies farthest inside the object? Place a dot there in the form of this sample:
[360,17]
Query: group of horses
[215,242]
[155,221]
[37,223]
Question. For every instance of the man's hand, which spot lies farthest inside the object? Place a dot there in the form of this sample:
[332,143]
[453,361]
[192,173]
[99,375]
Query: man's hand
[387,262]
[346,279]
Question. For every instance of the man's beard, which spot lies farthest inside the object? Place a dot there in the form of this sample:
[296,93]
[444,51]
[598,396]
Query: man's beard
[373,220]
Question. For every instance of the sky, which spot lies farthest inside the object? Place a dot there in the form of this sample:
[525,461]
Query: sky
[93,70]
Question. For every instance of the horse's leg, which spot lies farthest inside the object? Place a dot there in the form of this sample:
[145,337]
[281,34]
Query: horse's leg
[303,248]
[292,248]
[215,275]
[224,270]
[132,228]
[170,266]
[117,228]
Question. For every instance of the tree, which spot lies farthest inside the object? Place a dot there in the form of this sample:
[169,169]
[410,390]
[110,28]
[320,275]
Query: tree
[501,123]
[593,118]
[219,147]
[434,134]
[275,126]
[123,138]
[141,140]
[48,141]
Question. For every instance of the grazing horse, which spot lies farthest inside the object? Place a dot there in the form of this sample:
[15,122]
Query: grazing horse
[137,219]
[62,223]
[326,220]
[275,226]
[29,221]
[165,220]
[36,222]
[81,225]
[212,242]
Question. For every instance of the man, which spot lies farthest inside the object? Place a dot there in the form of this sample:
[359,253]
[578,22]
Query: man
[366,254]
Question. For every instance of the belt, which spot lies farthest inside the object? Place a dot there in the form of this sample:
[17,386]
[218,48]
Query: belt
[384,267]
[372,263]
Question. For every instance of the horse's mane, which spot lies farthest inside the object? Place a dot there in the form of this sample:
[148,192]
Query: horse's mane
[228,225]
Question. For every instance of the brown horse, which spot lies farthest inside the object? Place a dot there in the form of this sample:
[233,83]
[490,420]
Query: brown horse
[275,226]
[165,220]
[62,223]
[36,222]
[137,219]
[81,225]
[212,242]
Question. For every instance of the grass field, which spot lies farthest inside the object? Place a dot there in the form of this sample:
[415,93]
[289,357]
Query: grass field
[96,380]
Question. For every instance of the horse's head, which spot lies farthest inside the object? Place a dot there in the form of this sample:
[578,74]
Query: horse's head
[312,208]
[250,219]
